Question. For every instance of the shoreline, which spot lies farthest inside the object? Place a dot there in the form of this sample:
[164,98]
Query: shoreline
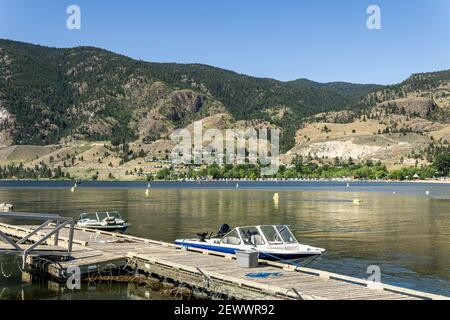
[431,181]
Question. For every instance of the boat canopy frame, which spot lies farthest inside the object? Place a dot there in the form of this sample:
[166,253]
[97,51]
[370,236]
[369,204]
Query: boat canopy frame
[109,214]
[259,228]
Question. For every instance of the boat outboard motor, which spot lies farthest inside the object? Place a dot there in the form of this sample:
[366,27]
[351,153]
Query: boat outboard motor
[202,236]
[224,229]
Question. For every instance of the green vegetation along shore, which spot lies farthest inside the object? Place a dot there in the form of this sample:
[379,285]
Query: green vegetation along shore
[298,170]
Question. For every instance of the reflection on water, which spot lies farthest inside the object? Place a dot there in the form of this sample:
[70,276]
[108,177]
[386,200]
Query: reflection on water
[15,285]
[407,233]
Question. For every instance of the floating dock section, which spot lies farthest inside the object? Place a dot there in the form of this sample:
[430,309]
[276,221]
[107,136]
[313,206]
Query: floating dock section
[214,273]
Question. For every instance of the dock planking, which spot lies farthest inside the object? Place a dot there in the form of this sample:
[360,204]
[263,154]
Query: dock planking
[209,271]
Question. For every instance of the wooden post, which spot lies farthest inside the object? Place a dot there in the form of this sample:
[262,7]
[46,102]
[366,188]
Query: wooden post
[71,231]
[56,242]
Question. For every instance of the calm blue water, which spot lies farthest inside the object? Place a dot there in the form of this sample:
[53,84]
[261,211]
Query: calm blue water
[397,226]
[440,191]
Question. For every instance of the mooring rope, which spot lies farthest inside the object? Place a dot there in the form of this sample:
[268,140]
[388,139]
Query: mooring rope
[297,265]
[3,272]
[298,294]
[3,291]
[18,264]
[206,278]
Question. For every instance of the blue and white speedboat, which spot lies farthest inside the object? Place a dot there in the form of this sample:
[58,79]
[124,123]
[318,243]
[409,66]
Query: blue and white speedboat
[273,242]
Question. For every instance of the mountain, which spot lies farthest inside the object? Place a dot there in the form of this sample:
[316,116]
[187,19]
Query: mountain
[75,108]
[49,95]
[406,124]
[353,90]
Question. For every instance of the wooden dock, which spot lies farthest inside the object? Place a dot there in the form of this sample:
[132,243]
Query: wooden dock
[212,272]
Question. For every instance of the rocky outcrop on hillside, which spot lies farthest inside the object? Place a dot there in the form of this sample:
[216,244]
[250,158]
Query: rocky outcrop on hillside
[418,106]
[7,126]
[335,117]
[182,103]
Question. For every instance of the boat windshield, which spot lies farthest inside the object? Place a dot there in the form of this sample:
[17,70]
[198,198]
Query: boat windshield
[115,215]
[286,234]
[102,215]
[232,238]
[251,236]
[89,216]
[271,234]
[278,234]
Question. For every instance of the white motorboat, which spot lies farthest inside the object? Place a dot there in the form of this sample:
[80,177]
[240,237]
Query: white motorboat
[107,221]
[273,242]
[6,207]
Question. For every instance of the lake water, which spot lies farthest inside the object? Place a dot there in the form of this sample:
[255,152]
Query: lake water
[397,226]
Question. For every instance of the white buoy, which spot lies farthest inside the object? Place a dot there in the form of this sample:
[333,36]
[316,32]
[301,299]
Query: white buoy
[276,200]
[427,193]
[74,187]
[237,185]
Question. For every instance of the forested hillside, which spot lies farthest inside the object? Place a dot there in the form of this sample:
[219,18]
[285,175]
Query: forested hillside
[47,94]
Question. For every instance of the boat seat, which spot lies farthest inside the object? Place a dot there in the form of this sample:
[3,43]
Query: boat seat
[257,239]
[232,240]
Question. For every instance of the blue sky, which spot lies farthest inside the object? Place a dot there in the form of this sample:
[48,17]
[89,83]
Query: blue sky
[322,40]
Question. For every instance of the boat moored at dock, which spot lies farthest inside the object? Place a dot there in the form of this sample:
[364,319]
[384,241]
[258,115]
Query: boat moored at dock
[6,207]
[106,221]
[273,242]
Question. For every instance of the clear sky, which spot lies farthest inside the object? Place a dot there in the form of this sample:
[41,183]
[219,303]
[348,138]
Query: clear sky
[323,40]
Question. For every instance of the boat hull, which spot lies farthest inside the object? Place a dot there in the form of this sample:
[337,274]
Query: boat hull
[106,228]
[274,256]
